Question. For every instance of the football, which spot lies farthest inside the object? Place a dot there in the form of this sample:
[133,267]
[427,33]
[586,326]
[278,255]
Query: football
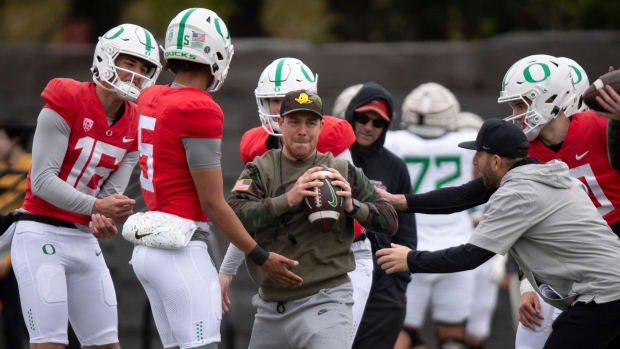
[325,209]
[612,79]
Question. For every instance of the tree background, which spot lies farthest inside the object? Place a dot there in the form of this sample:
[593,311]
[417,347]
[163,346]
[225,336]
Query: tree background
[319,21]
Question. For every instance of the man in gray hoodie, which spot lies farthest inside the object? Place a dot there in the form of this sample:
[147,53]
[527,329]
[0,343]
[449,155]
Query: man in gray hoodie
[545,219]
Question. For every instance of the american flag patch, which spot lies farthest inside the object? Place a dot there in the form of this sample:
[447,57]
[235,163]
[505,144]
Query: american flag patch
[242,185]
[197,37]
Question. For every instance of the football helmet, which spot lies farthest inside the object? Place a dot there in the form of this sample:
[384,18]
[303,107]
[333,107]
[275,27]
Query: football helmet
[468,121]
[343,100]
[278,78]
[430,110]
[544,84]
[132,40]
[581,83]
[199,35]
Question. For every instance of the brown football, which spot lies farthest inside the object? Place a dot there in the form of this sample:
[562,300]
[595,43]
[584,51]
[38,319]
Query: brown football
[612,79]
[325,209]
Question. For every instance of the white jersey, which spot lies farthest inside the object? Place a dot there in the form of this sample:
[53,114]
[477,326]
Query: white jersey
[433,164]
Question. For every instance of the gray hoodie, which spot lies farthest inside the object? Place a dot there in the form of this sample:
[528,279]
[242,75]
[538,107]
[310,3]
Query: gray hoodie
[545,219]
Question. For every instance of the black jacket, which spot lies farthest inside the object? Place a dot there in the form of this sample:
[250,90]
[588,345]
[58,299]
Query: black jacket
[385,170]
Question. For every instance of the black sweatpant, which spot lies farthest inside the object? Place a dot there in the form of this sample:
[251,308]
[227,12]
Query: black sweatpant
[586,325]
[382,320]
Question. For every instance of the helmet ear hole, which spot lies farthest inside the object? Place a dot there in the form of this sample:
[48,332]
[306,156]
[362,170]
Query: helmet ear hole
[219,56]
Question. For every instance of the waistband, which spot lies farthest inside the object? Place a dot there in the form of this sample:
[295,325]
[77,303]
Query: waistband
[22,216]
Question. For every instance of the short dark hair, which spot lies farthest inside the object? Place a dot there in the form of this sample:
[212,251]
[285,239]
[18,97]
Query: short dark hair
[178,65]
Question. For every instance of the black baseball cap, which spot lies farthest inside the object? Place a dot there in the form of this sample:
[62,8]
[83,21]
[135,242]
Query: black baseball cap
[500,137]
[301,100]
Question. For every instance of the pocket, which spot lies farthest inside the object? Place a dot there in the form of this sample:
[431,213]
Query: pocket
[51,283]
[109,294]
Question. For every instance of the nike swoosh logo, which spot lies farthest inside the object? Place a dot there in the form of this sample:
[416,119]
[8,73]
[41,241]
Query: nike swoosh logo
[125,140]
[334,201]
[140,236]
[579,157]
[98,253]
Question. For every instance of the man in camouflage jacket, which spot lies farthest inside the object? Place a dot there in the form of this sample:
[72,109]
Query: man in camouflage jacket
[268,199]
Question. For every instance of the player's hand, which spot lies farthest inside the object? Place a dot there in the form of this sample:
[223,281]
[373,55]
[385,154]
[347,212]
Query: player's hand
[276,269]
[225,281]
[102,226]
[529,311]
[393,259]
[397,200]
[345,189]
[5,267]
[116,206]
[609,99]
[303,186]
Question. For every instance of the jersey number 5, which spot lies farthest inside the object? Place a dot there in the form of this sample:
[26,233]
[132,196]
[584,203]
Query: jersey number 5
[146,152]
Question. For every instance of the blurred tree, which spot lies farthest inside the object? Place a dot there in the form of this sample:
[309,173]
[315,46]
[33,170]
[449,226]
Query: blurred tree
[309,20]
[156,14]
[30,19]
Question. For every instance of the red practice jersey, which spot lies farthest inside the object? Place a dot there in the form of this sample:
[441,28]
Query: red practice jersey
[167,115]
[95,149]
[336,136]
[584,150]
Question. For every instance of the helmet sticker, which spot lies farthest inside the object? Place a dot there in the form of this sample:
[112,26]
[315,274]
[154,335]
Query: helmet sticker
[527,73]
[182,27]
[577,74]
[219,29]
[305,73]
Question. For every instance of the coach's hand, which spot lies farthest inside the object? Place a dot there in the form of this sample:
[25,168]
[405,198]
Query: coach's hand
[225,281]
[116,206]
[345,189]
[397,200]
[393,259]
[303,186]
[102,226]
[276,269]
[529,310]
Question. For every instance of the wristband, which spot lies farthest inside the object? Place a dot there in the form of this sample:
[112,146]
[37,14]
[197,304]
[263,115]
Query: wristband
[258,255]
[525,287]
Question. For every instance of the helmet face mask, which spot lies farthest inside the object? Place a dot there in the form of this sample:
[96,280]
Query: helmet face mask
[133,41]
[277,79]
[199,35]
[430,111]
[544,84]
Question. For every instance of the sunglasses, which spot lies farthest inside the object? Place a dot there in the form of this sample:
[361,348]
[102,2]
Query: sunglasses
[363,119]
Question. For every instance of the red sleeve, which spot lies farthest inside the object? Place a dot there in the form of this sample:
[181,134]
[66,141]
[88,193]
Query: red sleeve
[200,119]
[60,95]
[336,136]
[253,144]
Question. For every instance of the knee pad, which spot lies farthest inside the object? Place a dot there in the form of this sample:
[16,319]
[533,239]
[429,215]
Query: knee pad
[452,343]
[51,283]
[414,336]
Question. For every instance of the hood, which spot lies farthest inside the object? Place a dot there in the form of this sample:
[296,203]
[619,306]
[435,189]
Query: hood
[370,92]
[553,173]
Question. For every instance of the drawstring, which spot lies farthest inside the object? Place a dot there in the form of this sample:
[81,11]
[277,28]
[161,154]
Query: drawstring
[280,308]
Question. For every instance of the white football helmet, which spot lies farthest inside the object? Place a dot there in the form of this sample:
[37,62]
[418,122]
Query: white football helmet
[430,110]
[277,79]
[468,121]
[543,81]
[128,39]
[343,100]
[199,35]
[581,83]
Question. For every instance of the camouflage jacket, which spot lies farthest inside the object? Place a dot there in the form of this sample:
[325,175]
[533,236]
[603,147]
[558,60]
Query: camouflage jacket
[259,200]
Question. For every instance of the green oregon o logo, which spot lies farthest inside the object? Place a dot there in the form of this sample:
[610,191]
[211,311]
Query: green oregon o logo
[578,73]
[528,76]
[49,249]
[219,28]
[276,89]
[119,32]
